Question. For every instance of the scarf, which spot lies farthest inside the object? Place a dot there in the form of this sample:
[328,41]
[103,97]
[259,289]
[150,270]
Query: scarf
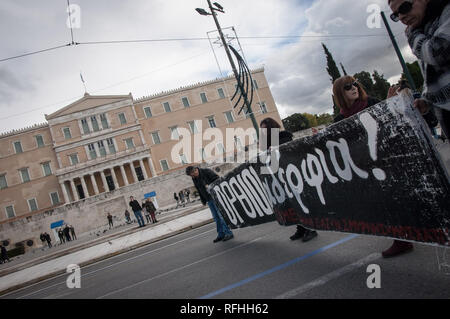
[356,107]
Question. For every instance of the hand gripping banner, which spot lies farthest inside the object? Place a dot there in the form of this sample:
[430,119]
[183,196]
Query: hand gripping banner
[375,173]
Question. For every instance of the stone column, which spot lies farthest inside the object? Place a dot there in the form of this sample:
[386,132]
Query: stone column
[124,175]
[85,189]
[114,177]
[105,183]
[74,191]
[141,162]
[94,184]
[152,167]
[64,190]
[133,171]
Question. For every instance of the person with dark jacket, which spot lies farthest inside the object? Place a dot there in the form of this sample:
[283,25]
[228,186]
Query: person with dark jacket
[4,254]
[61,236]
[72,232]
[48,239]
[428,33]
[201,178]
[150,207]
[137,210]
[66,232]
[284,136]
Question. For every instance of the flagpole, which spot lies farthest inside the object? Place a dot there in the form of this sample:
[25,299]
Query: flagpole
[84,84]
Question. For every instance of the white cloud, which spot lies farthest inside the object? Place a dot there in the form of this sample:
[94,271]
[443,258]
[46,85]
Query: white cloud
[295,67]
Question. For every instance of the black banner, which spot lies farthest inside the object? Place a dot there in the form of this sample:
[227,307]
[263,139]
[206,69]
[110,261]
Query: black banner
[375,173]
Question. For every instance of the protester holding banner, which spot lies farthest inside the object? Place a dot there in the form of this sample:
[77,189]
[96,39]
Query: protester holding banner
[351,98]
[201,178]
[428,33]
[284,136]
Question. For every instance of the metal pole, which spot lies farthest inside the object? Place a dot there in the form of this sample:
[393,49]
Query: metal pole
[399,54]
[233,67]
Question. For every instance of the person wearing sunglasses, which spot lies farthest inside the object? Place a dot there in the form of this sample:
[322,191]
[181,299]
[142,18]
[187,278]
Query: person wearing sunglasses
[428,33]
[350,97]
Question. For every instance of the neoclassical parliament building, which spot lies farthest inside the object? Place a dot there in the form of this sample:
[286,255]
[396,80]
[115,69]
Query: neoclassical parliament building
[100,144]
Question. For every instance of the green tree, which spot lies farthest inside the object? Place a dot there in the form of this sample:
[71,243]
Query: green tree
[324,119]
[295,122]
[380,86]
[416,74]
[312,121]
[332,68]
[343,69]
[365,79]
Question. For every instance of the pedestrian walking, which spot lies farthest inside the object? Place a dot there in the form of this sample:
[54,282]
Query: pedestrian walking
[177,199]
[187,193]
[127,217]
[42,238]
[146,211]
[72,232]
[110,220]
[151,209]
[4,254]
[137,210]
[61,236]
[201,178]
[66,232]
[48,239]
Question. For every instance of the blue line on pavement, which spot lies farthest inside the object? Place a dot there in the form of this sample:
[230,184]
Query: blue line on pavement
[279,267]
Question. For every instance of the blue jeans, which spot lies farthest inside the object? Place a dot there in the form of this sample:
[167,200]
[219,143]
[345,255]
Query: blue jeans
[139,218]
[222,227]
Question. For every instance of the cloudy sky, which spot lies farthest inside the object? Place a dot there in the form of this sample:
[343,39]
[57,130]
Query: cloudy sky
[284,36]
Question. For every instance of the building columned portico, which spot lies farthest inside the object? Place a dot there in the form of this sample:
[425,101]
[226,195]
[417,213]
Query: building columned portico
[84,182]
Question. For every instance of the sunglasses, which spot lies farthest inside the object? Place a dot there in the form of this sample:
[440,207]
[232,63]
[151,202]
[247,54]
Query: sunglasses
[349,86]
[404,8]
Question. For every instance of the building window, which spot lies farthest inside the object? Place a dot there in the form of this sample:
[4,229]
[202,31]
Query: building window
[148,112]
[74,159]
[92,152]
[221,93]
[32,204]
[3,181]
[24,175]
[185,102]
[101,148]
[94,123]
[174,135]
[263,107]
[85,126]
[46,169]
[229,117]
[203,97]
[129,143]
[18,147]
[167,108]
[164,165]
[122,119]
[111,146]
[39,141]
[193,127]
[104,121]
[55,198]
[183,159]
[155,137]
[67,134]
[10,212]
[212,122]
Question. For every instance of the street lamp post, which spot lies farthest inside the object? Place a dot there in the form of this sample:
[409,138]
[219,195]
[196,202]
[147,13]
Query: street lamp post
[227,50]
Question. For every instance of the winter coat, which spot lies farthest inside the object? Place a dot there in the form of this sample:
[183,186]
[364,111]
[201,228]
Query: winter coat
[206,176]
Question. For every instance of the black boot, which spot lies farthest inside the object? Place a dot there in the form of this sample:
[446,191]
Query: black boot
[299,233]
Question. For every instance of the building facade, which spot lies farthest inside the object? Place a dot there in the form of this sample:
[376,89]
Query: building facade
[100,144]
